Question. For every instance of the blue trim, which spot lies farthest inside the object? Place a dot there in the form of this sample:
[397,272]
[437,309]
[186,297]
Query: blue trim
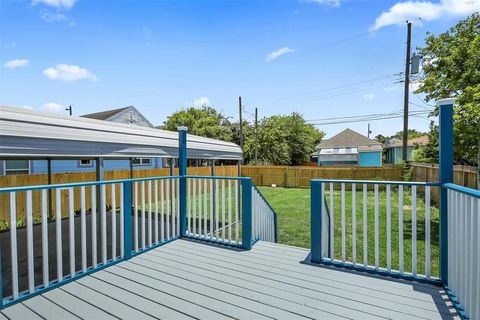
[403,183]
[247,213]
[316,197]
[391,274]
[159,244]
[468,191]
[275,220]
[127,220]
[182,171]
[80,184]
[219,242]
[456,304]
[446,176]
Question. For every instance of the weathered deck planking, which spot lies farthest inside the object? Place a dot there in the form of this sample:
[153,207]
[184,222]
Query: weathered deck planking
[186,279]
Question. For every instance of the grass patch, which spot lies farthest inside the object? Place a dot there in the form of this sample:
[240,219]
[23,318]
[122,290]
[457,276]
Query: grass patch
[293,209]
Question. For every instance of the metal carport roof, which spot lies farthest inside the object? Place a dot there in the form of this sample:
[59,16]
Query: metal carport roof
[28,134]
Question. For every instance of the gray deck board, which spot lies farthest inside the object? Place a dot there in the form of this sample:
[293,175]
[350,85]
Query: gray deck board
[187,279]
[402,300]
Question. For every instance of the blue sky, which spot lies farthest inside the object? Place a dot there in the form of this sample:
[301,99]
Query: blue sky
[160,56]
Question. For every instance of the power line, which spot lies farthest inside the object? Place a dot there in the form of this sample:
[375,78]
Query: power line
[370,118]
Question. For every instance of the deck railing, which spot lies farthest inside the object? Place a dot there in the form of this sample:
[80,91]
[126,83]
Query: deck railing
[264,218]
[373,226]
[464,248]
[74,229]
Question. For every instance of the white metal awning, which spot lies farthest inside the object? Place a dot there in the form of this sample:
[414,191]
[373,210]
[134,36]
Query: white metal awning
[29,134]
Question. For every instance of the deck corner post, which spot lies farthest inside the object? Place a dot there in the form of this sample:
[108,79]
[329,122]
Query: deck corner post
[446,176]
[127,219]
[182,172]
[316,197]
[247,214]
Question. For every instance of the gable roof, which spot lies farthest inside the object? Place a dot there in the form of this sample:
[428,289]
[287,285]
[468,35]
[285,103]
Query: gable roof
[422,140]
[104,115]
[349,139]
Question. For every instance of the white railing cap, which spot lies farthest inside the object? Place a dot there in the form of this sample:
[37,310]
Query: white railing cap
[443,102]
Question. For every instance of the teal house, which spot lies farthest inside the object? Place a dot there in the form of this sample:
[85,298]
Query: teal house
[393,149]
[349,148]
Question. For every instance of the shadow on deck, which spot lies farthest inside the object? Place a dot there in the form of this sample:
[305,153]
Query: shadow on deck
[187,279]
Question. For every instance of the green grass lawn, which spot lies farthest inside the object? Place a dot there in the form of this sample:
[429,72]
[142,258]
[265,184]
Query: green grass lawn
[293,209]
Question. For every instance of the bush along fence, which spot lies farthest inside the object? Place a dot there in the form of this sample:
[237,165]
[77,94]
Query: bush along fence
[404,228]
[143,213]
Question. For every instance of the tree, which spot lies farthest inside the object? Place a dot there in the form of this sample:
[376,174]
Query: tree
[283,140]
[452,69]
[204,121]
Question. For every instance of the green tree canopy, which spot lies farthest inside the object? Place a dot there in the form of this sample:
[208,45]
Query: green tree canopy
[283,140]
[452,69]
[204,121]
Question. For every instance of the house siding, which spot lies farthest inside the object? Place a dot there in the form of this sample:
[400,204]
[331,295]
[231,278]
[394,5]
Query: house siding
[41,166]
[370,159]
[394,155]
[124,117]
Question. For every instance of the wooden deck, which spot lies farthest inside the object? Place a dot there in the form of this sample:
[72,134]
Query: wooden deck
[186,279]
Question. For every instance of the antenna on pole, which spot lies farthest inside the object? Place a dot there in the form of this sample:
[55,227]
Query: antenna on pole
[240,111]
[369,131]
[69,109]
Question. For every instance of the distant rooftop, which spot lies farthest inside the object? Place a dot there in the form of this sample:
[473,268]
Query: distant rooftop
[350,139]
[104,115]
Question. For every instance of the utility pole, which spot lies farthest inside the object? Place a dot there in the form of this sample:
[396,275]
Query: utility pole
[69,109]
[406,93]
[369,131]
[240,111]
[256,136]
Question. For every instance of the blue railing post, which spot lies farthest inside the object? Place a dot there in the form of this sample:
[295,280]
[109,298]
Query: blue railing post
[247,214]
[182,172]
[316,198]
[127,219]
[446,176]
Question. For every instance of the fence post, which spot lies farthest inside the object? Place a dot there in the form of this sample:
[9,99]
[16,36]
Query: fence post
[182,172]
[445,176]
[127,219]
[316,198]
[247,213]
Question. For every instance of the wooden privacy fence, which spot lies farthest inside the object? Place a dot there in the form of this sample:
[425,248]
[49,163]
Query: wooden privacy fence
[72,177]
[296,177]
[465,176]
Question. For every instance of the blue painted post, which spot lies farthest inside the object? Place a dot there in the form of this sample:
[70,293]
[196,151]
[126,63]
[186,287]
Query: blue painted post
[247,214]
[182,172]
[446,176]
[316,198]
[127,219]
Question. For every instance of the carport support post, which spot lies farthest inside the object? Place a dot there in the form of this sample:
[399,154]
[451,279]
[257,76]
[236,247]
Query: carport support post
[127,219]
[316,198]
[99,173]
[182,172]
[446,176]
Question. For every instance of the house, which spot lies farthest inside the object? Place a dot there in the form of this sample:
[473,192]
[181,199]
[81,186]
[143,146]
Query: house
[393,149]
[349,148]
[126,115]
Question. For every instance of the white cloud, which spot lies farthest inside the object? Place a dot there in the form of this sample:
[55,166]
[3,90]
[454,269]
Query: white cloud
[67,72]
[333,3]
[426,10]
[27,107]
[59,4]
[200,102]
[278,53]
[53,107]
[15,63]
[369,96]
[391,88]
[415,85]
[56,17]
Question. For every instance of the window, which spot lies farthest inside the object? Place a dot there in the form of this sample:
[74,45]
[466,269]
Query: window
[85,163]
[142,161]
[17,167]
[132,118]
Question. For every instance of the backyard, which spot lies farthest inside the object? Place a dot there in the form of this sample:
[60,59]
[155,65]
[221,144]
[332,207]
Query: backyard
[293,210]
